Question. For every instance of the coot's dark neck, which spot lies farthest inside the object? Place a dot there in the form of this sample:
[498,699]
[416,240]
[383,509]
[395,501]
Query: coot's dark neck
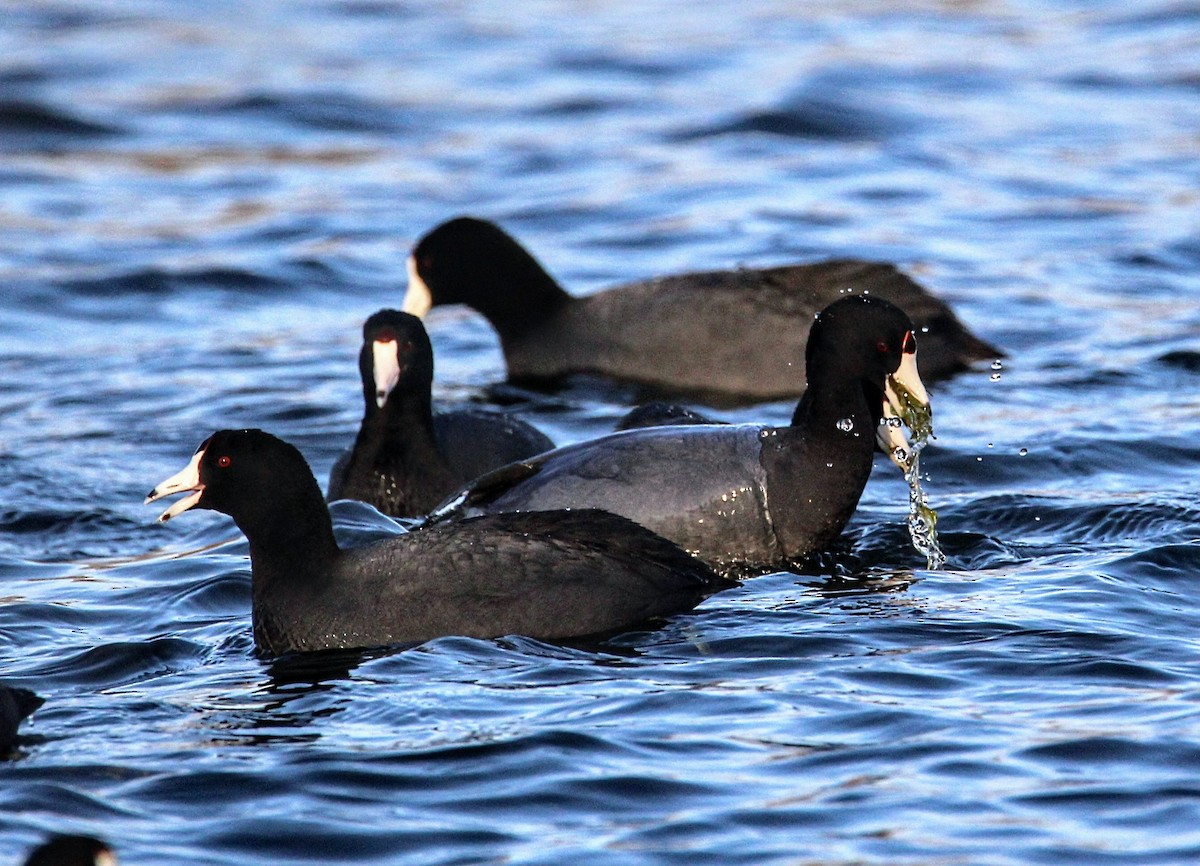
[396,459]
[829,402]
[818,467]
[521,297]
[290,534]
[401,433]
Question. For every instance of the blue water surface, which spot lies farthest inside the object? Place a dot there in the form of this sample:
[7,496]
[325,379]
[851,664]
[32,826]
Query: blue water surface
[203,200]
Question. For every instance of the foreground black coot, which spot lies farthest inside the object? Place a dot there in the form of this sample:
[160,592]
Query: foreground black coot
[72,851]
[737,336]
[405,458]
[15,705]
[549,575]
[744,497]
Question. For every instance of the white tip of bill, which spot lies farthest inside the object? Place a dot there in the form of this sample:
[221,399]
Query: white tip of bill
[186,480]
[385,369]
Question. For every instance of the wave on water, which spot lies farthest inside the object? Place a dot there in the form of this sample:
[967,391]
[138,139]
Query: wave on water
[35,125]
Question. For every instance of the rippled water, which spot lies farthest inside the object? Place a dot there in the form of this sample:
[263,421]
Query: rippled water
[202,201]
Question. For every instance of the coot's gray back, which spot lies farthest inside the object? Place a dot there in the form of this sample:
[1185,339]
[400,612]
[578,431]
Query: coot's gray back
[703,487]
[474,441]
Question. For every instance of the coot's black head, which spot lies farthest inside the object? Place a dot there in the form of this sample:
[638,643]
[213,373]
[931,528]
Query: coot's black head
[870,340]
[475,262]
[72,851]
[248,474]
[396,356]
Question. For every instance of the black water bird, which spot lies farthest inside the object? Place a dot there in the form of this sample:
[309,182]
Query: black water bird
[406,458]
[551,575]
[732,336]
[745,497]
[16,705]
[65,850]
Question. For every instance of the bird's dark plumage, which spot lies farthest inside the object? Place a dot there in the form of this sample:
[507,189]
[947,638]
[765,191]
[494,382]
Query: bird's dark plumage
[734,336]
[67,850]
[741,497]
[405,458]
[15,705]
[553,575]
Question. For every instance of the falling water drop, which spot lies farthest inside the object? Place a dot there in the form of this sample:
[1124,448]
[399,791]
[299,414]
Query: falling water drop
[845,424]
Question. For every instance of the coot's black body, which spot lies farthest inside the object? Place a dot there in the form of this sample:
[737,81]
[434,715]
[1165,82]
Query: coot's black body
[552,575]
[16,705]
[64,850]
[405,459]
[732,336]
[742,497]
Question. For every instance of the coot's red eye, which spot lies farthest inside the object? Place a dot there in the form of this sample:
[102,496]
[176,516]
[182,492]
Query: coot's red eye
[910,343]
[223,461]
[882,346]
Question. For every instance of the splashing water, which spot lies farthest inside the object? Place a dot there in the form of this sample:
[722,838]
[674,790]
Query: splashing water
[922,520]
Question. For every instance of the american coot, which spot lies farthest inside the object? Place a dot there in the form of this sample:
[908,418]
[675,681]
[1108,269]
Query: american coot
[557,574]
[406,459]
[72,851]
[15,705]
[734,336]
[744,497]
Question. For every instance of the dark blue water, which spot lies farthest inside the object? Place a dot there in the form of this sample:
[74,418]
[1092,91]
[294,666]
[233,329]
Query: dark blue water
[201,202]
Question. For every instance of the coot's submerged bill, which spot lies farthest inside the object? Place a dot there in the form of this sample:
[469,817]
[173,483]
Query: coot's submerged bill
[553,574]
[745,497]
[406,459]
[736,335]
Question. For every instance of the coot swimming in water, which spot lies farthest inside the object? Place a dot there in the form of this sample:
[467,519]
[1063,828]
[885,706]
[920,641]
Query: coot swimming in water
[553,575]
[406,459]
[744,497]
[735,336]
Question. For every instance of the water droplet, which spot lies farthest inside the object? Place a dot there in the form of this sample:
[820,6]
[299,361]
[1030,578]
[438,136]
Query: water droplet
[828,465]
[995,377]
[845,424]
[895,423]
[990,445]
[900,454]
[1023,452]
[924,329]
[978,459]
[997,365]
